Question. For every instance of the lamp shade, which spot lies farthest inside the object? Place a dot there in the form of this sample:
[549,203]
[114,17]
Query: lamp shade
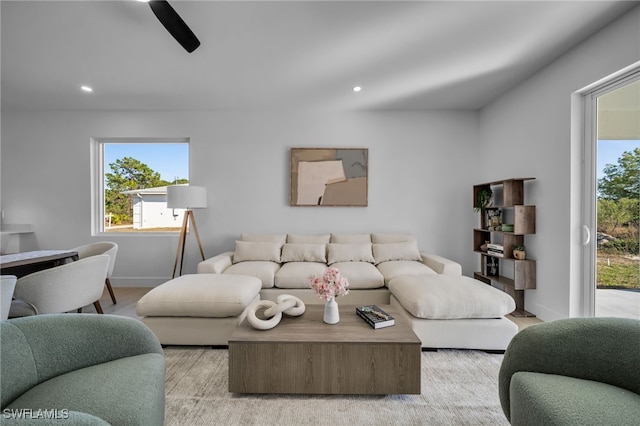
[186,197]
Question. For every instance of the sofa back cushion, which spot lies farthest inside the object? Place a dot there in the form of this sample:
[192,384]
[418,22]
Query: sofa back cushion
[304,253]
[351,238]
[251,250]
[265,238]
[392,238]
[396,251]
[310,239]
[349,253]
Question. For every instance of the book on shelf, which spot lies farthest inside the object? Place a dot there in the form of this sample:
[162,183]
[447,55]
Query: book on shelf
[375,317]
[495,246]
[495,253]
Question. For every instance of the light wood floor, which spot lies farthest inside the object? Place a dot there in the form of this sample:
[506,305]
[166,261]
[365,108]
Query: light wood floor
[127,297]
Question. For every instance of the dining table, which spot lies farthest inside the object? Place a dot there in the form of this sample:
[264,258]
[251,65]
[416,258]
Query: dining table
[25,263]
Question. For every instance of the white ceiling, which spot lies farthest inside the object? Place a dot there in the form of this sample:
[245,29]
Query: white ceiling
[286,54]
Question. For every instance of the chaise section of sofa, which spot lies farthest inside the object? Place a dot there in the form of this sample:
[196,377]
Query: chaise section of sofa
[81,369]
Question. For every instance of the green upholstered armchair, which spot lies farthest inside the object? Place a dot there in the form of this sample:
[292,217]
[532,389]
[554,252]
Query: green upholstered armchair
[578,371]
[80,369]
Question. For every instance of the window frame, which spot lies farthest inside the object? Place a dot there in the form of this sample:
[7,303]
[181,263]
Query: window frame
[98,181]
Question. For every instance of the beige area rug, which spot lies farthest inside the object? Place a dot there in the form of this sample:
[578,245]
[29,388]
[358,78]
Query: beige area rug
[458,388]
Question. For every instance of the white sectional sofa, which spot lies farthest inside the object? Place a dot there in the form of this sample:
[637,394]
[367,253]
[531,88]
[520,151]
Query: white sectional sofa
[369,261]
[373,263]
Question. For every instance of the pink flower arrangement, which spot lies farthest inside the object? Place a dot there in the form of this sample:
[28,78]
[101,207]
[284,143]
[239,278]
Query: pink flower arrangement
[331,284]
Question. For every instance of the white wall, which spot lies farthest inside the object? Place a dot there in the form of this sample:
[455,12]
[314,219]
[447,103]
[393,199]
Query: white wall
[527,133]
[421,169]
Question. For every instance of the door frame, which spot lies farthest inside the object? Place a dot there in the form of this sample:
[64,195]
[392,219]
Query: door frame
[583,175]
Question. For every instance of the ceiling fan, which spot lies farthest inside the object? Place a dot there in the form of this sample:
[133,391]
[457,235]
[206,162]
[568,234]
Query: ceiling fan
[174,24]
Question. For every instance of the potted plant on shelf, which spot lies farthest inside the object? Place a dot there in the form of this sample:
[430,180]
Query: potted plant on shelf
[519,252]
[483,199]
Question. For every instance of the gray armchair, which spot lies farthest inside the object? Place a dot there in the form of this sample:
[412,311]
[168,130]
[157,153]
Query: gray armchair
[85,369]
[579,371]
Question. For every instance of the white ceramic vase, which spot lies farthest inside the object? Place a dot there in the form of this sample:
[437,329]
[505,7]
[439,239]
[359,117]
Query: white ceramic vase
[331,313]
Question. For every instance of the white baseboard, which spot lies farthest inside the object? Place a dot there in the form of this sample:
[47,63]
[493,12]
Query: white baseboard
[543,313]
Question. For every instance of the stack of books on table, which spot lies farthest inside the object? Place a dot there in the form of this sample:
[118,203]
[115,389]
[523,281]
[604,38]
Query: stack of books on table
[375,317]
[496,250]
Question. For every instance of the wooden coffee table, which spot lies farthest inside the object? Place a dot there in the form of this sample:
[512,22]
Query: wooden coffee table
[303,355]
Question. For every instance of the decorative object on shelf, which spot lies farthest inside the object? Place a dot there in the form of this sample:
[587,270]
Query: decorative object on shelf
[327,287]
[186,197]
[375,317]
[492,266]
[484,200]
[286,303]
[329,177]
[484,247]
[494,219]
[519,252]
[506,227]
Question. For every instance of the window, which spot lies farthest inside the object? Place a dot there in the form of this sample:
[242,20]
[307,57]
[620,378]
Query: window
[130,179]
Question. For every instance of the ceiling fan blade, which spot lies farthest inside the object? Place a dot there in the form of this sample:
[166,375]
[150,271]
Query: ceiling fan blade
[174,24]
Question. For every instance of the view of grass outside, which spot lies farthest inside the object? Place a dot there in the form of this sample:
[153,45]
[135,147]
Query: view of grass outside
[618,208]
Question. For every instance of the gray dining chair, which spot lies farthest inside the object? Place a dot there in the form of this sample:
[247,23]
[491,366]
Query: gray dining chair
[61,289]
[7,285]
[105,247]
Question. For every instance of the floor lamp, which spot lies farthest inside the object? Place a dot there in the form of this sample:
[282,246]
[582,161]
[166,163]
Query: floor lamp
[186,197]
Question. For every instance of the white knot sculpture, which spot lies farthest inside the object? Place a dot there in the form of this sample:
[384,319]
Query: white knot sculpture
[287,303]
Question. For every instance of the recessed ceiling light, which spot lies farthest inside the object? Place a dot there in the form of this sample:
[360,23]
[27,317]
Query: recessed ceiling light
[357,89]
[86,89]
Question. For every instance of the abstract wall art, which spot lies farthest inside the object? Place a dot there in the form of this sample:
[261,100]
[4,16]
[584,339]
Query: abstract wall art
[329,177]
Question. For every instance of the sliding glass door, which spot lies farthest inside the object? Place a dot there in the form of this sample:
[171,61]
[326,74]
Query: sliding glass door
[614,194]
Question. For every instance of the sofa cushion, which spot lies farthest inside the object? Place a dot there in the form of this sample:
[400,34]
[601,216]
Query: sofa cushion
[251,250]
[396,251]
[265,238]
[304,252]
[264,271]
[200,295]
[312,239]
[349,253]
[546,399]
[450,297]
[105,391]
[398,268]
[296,274]
[350,238]
[361,275]
[392,238]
